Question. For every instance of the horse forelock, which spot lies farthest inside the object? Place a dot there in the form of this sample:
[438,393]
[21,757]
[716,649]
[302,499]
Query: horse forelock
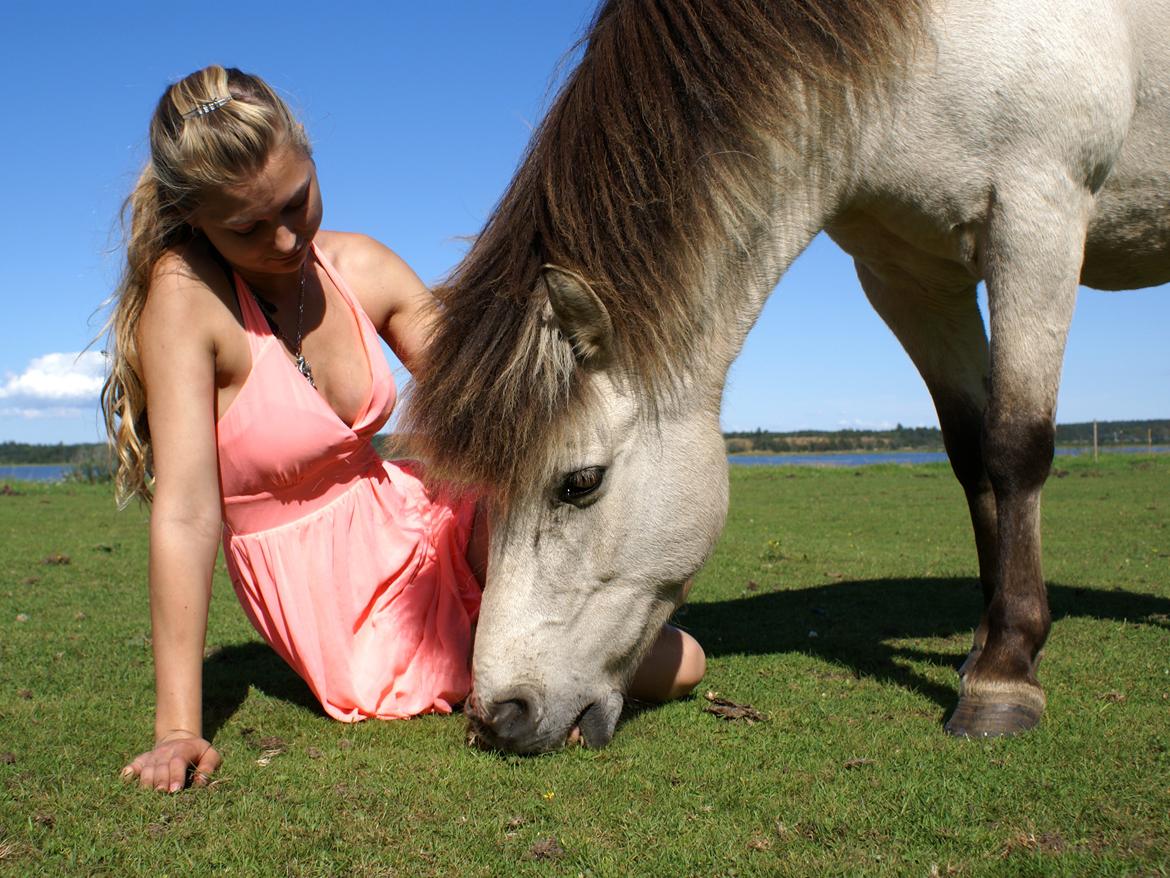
[656,151]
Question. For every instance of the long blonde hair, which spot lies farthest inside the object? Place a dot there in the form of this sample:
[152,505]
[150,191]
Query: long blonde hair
[210,129]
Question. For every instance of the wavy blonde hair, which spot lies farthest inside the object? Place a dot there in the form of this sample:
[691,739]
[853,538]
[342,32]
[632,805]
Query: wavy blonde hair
[192,149]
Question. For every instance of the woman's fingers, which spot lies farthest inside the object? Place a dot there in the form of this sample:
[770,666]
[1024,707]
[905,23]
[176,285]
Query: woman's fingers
[134,769]
[166,767]
[176,777]
[208,763]
[146,777]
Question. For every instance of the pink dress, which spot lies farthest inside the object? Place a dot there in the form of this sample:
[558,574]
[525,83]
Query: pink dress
[344,563]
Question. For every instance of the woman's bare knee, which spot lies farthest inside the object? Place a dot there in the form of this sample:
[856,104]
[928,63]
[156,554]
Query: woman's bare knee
[672,667]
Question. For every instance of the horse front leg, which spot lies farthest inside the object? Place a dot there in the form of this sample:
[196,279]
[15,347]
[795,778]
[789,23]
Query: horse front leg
[940,327]
[1032,256]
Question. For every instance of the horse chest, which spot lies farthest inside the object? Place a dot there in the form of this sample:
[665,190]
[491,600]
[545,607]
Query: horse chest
[895,242]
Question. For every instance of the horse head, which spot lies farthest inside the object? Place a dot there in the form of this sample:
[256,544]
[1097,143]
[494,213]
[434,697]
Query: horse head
[589,560]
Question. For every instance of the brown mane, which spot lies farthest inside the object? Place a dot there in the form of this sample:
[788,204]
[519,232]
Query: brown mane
[650,153]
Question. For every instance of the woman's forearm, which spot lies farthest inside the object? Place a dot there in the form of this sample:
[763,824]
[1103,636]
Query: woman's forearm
[182,559]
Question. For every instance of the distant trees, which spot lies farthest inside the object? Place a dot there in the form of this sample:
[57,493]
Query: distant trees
[916,438]
[759,441]
[930,438]
[1115,433]
[21,452]
[87,462]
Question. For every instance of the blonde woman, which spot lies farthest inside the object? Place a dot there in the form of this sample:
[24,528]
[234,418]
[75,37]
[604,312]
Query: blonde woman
[247,382]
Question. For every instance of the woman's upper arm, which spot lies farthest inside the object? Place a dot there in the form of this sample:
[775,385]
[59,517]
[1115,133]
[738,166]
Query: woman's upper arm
[176,350]
[399,303]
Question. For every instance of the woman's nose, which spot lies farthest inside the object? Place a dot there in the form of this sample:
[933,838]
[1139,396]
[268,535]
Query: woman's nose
[286,239]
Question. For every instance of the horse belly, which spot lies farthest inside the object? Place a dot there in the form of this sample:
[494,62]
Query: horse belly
[1128,241]
[1128,244]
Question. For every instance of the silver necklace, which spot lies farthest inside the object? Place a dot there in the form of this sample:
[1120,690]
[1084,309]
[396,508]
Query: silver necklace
[302,364]
[269,310]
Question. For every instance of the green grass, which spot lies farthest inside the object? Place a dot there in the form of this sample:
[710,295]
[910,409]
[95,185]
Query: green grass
[850,774]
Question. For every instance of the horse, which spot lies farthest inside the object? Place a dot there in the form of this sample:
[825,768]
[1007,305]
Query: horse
[580,349]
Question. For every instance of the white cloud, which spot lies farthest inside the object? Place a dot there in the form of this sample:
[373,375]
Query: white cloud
[54,385]
[862,424]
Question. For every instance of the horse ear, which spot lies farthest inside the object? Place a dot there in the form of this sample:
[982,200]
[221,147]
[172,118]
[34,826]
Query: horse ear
[581,316]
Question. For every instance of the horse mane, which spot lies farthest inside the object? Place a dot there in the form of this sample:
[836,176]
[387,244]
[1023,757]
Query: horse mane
[652,150]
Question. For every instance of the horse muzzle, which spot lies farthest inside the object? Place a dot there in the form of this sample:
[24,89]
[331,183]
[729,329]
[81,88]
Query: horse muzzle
[523,720]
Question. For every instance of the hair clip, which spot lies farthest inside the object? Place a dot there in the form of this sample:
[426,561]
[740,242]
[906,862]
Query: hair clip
[208,107]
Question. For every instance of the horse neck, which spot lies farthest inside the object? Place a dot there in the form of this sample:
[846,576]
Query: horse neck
[808,178]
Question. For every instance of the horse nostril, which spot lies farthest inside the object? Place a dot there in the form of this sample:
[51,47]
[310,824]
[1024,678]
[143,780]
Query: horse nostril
[509,713]
[514,715]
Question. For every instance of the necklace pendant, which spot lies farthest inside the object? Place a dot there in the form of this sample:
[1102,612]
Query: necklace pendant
[305,369]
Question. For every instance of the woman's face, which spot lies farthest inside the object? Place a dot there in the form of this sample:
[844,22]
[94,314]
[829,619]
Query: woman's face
[263,226]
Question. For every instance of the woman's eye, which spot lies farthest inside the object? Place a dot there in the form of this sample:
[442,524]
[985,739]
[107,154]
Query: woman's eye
[581,483]
[299,200]
[243,233]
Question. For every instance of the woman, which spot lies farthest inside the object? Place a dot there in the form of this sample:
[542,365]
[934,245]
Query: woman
[246,384]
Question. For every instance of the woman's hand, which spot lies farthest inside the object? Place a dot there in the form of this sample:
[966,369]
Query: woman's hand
[165,767]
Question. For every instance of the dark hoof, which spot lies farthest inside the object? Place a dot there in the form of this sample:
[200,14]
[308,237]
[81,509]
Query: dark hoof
[977,718]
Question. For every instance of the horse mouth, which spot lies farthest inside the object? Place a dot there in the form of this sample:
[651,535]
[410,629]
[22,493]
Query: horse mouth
[598,720]
[593,727]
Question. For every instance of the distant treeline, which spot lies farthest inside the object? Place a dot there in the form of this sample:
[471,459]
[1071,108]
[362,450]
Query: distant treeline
[1115,433]
[12,453]
[898,439]
[930,438]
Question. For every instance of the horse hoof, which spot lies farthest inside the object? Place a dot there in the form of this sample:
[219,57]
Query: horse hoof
[978,718]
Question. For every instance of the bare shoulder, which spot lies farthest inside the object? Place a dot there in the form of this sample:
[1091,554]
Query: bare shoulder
[191,317]
[188,289]
[360,256]
[378,276]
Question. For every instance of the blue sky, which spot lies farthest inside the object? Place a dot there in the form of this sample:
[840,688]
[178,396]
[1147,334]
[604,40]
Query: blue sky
[419,113]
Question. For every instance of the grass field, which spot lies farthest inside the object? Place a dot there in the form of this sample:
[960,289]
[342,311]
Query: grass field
[838,604]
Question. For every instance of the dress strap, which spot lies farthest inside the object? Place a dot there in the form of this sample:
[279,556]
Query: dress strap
[382,392]
[339,282]
[254,320]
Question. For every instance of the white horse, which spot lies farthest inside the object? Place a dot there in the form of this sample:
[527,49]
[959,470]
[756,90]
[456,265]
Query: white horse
[582,347]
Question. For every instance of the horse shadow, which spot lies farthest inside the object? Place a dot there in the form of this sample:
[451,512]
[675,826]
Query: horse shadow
[857,624]
[853,624]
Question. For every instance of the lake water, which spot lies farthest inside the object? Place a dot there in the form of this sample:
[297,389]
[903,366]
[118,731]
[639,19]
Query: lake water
[866,458]
[56,472]
[37,473]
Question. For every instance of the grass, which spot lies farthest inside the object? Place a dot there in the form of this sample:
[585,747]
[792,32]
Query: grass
[838,604]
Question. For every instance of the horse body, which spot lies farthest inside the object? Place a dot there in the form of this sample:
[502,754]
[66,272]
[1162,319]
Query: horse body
[1024,145]
[1013,102]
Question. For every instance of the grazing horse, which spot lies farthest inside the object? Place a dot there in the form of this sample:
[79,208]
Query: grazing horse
[581,349]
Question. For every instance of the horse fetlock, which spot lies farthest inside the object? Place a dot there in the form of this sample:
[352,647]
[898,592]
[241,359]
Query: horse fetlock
[977,643]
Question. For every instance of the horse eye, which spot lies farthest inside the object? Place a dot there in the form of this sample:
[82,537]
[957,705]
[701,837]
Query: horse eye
[580,484]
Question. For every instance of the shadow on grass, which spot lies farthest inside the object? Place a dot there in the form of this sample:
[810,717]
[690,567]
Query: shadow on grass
[231,671]
[857,623]
[854,622]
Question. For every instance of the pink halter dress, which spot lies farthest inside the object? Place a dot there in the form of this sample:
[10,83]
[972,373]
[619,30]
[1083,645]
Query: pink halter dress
[343,562]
